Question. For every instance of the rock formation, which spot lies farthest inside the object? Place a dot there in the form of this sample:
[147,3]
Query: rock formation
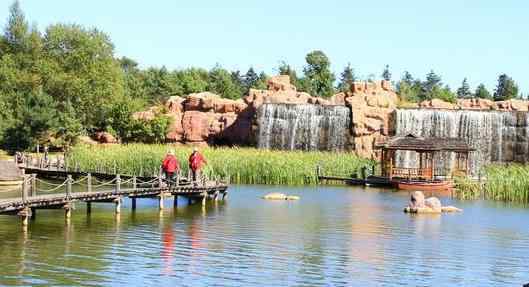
[418,204]
[477,104]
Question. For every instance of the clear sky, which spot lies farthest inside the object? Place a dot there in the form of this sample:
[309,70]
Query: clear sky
[455,38]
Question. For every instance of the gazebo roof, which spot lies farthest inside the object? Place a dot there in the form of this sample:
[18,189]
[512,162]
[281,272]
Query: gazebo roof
[415,143]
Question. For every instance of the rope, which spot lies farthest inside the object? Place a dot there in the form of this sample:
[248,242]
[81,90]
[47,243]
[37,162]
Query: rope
[53,189]
[104,184]
[146,182]
[80,180]
[51,184]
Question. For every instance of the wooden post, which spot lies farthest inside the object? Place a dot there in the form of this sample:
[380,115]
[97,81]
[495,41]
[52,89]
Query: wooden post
[175,200]
[134,186]
[118,205]
[68,211]
[33,184]
[25,189]
[89,182]
[133,203]
[88,207]
[160,201]
[204,196]
[69,186]
[118,184]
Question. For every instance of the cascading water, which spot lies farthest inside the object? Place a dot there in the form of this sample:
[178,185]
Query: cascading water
[303,127]
[496,136]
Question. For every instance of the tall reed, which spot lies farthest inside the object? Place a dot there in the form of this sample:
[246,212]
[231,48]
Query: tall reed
[501,182]
[239,165]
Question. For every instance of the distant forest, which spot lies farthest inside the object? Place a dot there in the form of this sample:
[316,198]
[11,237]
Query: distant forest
[66,81]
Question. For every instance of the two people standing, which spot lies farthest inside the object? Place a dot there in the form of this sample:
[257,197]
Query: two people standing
[171,166]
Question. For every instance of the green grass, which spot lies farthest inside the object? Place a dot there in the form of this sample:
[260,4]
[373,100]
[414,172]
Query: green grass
[508,183]
[239,165]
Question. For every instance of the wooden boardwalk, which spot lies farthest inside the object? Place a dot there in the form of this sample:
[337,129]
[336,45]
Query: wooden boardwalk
[60,196]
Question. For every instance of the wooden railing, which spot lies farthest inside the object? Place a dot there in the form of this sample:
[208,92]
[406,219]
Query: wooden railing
[412,173]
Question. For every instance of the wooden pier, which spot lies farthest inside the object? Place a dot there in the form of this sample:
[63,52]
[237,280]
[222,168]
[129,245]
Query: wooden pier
[100,187]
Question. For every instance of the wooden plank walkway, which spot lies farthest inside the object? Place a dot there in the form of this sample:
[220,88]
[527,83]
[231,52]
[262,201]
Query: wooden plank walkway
[62,197]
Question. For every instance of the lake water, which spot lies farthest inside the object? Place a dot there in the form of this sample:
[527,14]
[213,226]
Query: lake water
[332,236]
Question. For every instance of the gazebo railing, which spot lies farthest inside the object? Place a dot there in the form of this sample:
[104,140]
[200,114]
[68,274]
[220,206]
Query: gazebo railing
[411,173]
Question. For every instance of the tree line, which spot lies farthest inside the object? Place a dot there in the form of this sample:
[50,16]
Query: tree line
[66,81]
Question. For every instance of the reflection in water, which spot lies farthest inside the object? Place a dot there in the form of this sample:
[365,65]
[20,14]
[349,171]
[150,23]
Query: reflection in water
[331,236]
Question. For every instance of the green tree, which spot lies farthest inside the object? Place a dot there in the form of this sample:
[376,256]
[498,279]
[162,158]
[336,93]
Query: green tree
[409,89]
[81,69]
[506,88]
[318,77]
[347,77]
[464,92]
[221,83]
[17,30]
[482,92]
[386,74]
[252,80]
[37,122]
[193,80]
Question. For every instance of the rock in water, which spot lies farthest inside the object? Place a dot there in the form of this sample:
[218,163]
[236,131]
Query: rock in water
[433,203]
[417,200]
[451,209]
[280,196]
[418,204]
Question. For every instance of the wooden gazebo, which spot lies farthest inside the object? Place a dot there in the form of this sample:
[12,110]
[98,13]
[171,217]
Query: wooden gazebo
[425,149]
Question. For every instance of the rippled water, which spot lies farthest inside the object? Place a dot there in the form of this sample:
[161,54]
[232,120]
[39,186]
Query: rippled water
[332,236]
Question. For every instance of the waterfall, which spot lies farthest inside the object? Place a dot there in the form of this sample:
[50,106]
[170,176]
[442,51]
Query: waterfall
[496,136]
[303,127]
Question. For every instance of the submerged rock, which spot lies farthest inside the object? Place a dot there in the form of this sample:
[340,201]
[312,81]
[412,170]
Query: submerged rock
[280,196]
[432,204]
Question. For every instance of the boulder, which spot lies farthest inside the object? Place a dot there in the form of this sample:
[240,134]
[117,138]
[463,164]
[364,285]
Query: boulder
[479,104]
[433,203]
[417,200]
[437,104]
[280,83]
[175,104]
[280,196]
[195,126]
[418,204]
[175,131]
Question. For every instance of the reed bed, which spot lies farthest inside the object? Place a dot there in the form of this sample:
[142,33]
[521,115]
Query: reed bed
[238,165]
[508,183]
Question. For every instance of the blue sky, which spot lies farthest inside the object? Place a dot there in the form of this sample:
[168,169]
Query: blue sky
[457,39]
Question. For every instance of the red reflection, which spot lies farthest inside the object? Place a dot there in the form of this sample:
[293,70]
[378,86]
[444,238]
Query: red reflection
[167,251]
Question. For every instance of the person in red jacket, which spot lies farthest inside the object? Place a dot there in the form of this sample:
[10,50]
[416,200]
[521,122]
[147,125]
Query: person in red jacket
[196,161]
[170,166]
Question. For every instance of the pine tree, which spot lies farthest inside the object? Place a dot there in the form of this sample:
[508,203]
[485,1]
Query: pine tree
[464,91]
[506,88]
[17,29]
[386,74]
[347,77]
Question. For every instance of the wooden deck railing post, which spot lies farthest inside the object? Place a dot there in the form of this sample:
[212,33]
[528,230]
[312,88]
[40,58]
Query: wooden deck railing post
[118,183]
[33,184]
[134,187]
[25,188]
[69,186]
[89,182]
